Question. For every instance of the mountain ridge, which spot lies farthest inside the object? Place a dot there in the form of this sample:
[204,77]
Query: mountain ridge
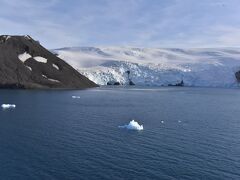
[25,63]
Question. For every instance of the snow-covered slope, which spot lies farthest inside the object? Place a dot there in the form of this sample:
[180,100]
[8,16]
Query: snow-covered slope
[154,66]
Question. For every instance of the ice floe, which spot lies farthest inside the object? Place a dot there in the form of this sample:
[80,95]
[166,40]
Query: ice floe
[7,106]
[133,125]
[76,97]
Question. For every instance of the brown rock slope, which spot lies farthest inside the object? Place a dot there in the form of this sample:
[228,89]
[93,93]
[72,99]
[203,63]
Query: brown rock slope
[24,63]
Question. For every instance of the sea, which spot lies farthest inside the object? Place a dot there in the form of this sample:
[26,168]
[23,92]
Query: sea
[188,133]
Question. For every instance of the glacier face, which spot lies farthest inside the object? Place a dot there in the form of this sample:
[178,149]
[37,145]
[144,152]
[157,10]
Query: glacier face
[205,67]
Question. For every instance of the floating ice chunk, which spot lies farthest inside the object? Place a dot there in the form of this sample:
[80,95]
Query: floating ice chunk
[76,97]
[179,121]
[40,59]
[7,106]
[162,122]
[133,125]
[55,66]
[23,57]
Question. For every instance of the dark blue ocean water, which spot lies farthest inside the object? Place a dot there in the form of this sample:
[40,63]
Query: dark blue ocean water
[50,135]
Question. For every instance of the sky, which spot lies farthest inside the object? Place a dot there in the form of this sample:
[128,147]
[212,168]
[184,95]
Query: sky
[138,23]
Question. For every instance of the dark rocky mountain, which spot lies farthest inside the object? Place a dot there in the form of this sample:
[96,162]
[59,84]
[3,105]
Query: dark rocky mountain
[237,74]
[24,63]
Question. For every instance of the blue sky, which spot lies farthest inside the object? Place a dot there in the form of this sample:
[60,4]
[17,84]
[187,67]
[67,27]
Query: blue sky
[142,23]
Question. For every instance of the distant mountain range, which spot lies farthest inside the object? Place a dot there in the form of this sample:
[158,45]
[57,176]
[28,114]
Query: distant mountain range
[24,63]
[206,67]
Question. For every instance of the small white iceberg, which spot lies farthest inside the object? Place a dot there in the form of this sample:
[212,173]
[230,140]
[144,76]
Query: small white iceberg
[76,97]
[8,106]
[133,125]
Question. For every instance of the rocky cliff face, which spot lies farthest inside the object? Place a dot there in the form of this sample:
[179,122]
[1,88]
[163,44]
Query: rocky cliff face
[237,74]
[24,63]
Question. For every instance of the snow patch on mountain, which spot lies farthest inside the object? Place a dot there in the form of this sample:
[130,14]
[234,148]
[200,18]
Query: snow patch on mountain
[23,57]
[40,59]
[29,68]
[55,66]
[206,67]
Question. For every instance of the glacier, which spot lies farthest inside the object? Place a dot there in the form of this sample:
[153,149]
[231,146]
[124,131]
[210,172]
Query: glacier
[201,67]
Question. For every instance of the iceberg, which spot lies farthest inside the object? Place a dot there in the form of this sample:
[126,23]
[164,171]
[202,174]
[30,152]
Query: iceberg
[133,125]
[7,106]
[76,97]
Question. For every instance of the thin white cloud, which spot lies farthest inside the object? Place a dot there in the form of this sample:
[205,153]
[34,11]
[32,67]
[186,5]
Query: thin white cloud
[30,3]
[166,23]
